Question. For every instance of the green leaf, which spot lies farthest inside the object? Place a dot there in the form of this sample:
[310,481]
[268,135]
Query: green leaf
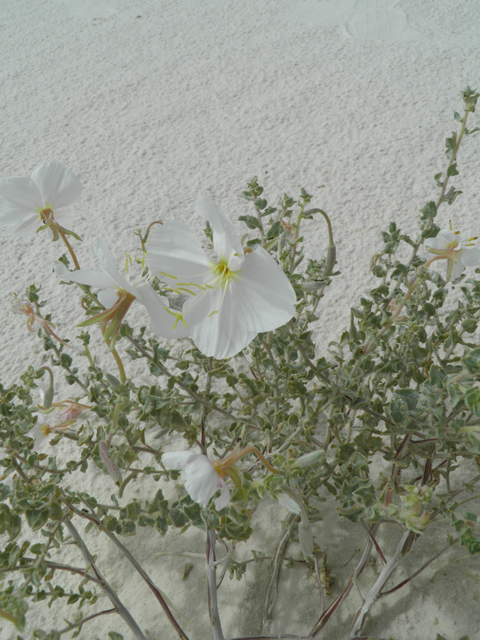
[113,635]
[452,170]
[472,400]
[250,221]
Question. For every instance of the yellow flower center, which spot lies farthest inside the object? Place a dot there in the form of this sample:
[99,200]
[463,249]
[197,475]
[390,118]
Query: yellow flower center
[222,273]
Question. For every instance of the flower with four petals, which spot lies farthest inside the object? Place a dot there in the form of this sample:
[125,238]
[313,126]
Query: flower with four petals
[232,298]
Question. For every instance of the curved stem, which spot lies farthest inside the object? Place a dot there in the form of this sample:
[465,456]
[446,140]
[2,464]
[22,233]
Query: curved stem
[67,244]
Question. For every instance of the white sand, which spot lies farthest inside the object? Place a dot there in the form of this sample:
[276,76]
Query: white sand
[151,103]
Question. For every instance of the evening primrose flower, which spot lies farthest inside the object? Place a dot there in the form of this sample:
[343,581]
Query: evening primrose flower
[31,204]
[448,244]
[117,295]
[203,478]
[200,476]
[232,298]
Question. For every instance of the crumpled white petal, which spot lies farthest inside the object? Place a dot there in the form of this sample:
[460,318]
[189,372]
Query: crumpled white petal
[85,276]
[200,477]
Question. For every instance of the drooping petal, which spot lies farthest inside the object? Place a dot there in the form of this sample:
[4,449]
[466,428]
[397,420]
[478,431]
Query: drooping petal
[20,198]
[107,262]
[59,186]
[174,249]
[225,241]
[457,269]
[201,479]
[86,276]
[471,257]
[177,459]
[164,322]
[222,501]
[107,297]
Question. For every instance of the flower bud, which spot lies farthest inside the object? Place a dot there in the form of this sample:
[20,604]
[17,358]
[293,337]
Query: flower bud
[308,459]
[112,468]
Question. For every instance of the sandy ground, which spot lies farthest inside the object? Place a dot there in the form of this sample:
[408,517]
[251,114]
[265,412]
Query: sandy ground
[151,103]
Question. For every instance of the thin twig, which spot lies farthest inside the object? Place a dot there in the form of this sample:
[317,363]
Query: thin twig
[82,622]
[212,586]
[271,596]
[402,548]
[114,599]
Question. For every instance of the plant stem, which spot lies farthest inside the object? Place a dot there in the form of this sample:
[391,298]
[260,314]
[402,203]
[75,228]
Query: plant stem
[271,596]
[212,586]
[114,599]
[82,622]
[67,244]
[402,548]
[156,591]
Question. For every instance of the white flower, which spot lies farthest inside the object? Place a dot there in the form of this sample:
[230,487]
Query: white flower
[233,298]
[448,244]
[117,295]
[26,204]
[200,476]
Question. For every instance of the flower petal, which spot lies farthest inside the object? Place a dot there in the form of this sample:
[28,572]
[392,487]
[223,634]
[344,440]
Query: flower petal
[265,298]
[471,257]
[225,241]
[20,198]
[437,243]
[107,297]
[58,185]
[457,269]
[174,250]
[177,459]
[222,501]
[107,262]
[201,479]
[449,236]
[86,276]
[224,333]
[26,229]
[165,323]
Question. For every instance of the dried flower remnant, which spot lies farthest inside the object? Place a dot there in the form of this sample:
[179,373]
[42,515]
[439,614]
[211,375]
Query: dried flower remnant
[27,308]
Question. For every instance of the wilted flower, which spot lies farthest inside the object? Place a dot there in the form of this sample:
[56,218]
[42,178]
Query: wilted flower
[202,478]
[27,308]
[234,297]
[70,410]
[448,244]
[117,295]
[30,204]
